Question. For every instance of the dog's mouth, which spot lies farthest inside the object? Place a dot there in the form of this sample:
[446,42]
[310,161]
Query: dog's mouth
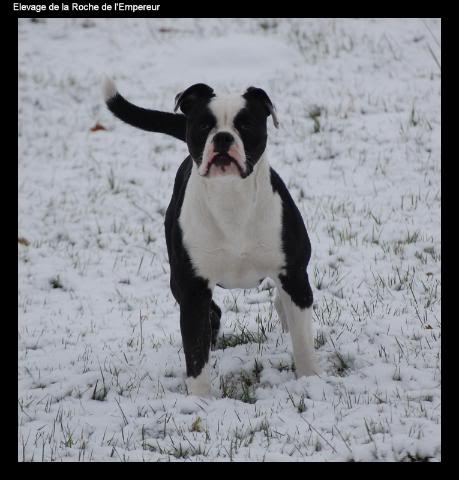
[224,162]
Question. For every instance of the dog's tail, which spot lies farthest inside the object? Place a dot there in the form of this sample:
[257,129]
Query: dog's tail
[173,124]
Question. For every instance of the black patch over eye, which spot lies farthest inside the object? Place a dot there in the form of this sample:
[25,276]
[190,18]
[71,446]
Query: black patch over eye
[245,125]
[205,124]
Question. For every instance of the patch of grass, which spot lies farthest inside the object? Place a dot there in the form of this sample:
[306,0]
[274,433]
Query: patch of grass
[244,336]
[397,377]
[257,369]
[196,426]
[283,367]
[320,340]
[328,312]
[344,235]
[314,115]
[329,277]
[112,183]
[266,25]
[239,386]
[176,450]
[299,404]
[56,282]
[414,118]
[417,457]
[101,393]
[411,237]
[436,257]
[340,365]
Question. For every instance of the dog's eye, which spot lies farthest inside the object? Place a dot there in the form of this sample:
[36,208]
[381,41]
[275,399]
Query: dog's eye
[205,125]
[245,126]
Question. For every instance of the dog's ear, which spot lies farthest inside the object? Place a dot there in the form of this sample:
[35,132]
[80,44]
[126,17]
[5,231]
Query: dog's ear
[187,99]
[261,96]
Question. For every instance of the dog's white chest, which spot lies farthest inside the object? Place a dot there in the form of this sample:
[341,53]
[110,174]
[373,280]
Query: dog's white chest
[232,231]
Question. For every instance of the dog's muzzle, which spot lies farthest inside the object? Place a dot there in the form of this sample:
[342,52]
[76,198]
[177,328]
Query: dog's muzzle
[223,157]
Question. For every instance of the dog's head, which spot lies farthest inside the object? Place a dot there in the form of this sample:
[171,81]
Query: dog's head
[226,135]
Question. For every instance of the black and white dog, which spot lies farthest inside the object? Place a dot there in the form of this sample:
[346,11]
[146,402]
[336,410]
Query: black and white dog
[231,221]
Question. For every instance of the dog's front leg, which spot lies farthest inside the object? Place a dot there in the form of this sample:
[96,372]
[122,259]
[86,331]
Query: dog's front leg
[296,298]
[280,311]
[196,337]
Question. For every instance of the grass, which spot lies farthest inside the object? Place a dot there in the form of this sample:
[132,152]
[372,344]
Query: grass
[101,393]
[299,404]
[239,386]
[56,282]
[340,365]
[112,182]
[242,335]
[314,115]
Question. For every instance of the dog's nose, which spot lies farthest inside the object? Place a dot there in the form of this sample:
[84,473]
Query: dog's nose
[222,142]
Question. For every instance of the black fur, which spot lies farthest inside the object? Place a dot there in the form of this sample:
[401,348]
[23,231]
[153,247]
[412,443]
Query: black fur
[259,95]
[250,122]
[199,123]
[188,99]
[173,124]
[254,94]
[199,315]
[296,246]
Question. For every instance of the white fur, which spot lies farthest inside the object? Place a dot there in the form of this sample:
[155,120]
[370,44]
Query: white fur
[232,227]
[300,326]
[109,89]
[280,311]
[224,109]
[200,386]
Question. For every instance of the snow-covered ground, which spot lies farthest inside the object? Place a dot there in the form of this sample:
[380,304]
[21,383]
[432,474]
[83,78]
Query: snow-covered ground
[101,366]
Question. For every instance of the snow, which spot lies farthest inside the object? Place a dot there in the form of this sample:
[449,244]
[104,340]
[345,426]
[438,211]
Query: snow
[101,366]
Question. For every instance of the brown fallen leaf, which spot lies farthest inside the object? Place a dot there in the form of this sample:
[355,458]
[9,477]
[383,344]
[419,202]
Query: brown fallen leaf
[97,126]
[23,241]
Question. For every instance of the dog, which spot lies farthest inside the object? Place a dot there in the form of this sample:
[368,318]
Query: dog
[231,221]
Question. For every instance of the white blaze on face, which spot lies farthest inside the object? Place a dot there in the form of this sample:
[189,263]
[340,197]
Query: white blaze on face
[224,109]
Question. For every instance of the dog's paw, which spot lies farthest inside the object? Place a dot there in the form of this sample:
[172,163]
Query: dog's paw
[198,390]
[109,89]
[308,371]
[200,385]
